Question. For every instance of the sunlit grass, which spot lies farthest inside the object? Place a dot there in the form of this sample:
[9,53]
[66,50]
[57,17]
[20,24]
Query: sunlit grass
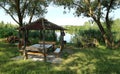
[94,60]
[77,61]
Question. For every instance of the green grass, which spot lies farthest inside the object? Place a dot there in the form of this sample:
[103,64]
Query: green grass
[79,61]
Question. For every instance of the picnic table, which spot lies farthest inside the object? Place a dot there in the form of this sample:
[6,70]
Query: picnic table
[37,49]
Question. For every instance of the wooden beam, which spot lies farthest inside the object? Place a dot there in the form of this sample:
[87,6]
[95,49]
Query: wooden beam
[44,39]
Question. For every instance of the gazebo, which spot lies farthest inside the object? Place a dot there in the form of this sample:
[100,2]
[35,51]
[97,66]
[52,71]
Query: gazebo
[43,24]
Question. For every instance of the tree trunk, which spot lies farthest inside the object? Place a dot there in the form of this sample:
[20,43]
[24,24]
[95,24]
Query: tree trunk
[62,39]
[110,36]
[106,39]
[109,32]
[24,48]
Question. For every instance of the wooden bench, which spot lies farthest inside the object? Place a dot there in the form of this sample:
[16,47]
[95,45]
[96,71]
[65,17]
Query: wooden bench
[57,51]
[35,53]
[32,53]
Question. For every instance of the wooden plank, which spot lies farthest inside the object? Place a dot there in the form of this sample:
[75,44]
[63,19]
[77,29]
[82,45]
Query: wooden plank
[35,53]
[48,42]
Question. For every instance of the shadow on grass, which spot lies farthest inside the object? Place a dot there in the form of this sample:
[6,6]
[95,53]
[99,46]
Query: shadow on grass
[30,67]
[8,66]
[23,67]
[93,61]
[7,51]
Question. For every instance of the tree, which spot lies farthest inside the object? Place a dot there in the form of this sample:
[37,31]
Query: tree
[97,10]
[21,9]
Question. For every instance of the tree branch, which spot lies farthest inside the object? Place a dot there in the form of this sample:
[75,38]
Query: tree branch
[23,10]
[78,5]
[10,14]
[108,8]
[20,18]
[99,9]
[32,15]
[25,6]
[107,14]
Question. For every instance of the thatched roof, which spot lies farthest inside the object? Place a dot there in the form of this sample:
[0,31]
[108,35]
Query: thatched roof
[37,25]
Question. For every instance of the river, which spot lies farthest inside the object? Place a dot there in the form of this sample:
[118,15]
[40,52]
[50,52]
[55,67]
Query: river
[67,36]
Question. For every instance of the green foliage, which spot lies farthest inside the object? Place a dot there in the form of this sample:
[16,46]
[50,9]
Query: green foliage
[87,38]
[49,35]
[72,29]
[85,35]
[7,30]
[91,33]
[116,29]
[10,29]
[88,8]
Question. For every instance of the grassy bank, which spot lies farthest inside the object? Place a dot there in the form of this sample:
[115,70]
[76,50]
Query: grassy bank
[75,61]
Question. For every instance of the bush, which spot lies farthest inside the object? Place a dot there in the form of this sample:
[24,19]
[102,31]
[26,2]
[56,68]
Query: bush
[49,35]
[5,32]
[87,38]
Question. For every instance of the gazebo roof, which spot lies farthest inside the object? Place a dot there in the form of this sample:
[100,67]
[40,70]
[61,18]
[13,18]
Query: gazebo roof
[37,25]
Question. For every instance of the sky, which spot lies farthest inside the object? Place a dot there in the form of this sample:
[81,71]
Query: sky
[57,16]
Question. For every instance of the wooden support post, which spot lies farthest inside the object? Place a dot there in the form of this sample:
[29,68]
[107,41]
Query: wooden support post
[44,39]
[62,39]
[24,48]
[25,54]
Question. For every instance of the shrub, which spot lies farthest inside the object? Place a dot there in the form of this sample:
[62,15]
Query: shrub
[5,32]
[87,38]
[49,35]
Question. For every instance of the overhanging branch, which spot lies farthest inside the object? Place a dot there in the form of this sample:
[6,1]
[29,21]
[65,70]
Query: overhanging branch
[107,14]
[9,14]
